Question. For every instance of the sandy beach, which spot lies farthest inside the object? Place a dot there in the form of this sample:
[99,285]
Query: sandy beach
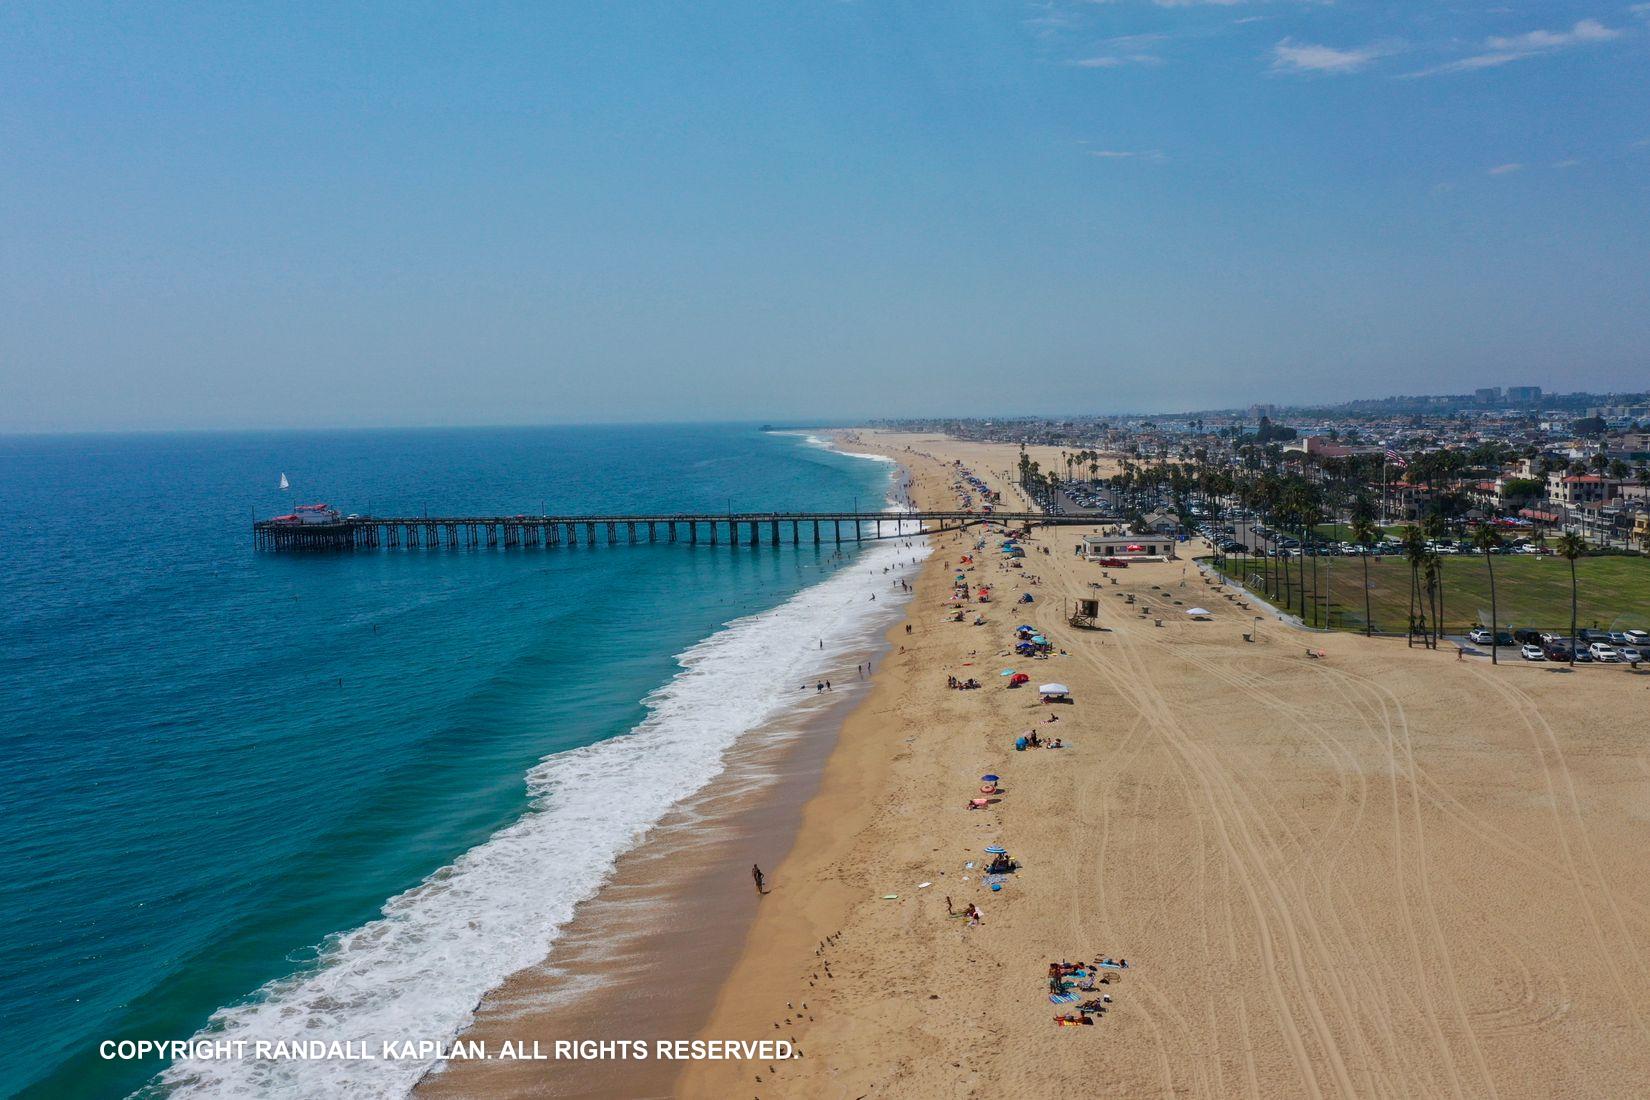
[1378,872]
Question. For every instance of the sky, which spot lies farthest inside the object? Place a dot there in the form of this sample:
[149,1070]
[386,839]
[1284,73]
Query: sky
[306,215]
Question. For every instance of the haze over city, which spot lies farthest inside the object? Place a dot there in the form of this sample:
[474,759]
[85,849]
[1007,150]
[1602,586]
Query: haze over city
[386,215]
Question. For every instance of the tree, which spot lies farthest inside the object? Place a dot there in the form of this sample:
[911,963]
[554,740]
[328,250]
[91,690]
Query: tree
[1517,490]
[1364,534]
[1434,570]
[1436,528]
[1415,552]
[1572,546]
[1488,539]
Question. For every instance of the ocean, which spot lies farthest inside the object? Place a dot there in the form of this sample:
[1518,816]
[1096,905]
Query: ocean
[341,796]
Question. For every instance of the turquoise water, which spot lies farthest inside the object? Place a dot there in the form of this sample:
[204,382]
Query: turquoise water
[216,760]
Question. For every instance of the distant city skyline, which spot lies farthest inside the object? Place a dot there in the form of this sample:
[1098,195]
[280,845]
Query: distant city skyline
[387,216]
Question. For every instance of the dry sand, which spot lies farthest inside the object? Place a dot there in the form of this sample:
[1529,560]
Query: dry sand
[1382,872]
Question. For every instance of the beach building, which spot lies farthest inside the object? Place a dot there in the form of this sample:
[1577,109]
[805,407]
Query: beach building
[1124,546]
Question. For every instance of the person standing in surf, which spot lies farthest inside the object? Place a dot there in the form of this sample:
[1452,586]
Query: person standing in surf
[756,873]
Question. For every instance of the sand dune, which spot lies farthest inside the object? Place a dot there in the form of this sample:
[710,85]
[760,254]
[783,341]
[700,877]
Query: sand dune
[1383,872]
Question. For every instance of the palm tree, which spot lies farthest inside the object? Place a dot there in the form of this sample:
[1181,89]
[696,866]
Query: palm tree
[1415,552]
[1434,576]
[1572,546]
[1488,539]
[1363,533]
[1436,528]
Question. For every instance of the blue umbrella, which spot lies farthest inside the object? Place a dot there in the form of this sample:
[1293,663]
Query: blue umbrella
[988,779]
[996,851]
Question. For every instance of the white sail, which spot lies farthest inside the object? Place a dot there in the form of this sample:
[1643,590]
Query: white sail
[284,484]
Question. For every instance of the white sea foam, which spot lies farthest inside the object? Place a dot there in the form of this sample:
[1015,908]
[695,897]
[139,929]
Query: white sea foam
[826,444]
[419,971]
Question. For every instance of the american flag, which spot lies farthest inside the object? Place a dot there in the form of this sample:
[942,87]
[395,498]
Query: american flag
[1395,458]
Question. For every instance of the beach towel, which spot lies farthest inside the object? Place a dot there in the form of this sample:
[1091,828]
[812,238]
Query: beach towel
[1062,998]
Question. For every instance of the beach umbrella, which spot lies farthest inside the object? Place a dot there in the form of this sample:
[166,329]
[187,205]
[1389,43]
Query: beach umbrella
[988,779]
[996,850]
[1055,689]
[1039,639]
[1006,672]
[1133,548]
[1197,611]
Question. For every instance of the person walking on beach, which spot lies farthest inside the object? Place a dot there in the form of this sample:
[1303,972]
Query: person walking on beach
[756,873]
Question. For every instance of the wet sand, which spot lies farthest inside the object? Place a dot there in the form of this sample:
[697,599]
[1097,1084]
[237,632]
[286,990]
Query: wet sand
[645,957]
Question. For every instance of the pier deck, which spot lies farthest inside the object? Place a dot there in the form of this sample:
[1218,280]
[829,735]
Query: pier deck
[734,529]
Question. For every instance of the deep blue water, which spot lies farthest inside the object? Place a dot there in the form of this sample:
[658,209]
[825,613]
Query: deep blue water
[213,759]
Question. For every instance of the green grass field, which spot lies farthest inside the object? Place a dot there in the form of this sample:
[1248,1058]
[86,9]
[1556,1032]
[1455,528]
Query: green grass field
[1613,593]
[1342,532]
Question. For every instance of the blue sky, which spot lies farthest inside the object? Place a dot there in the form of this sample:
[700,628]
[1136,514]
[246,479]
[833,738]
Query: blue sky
[268,215]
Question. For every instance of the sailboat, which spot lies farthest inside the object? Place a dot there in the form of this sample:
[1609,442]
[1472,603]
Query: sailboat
[284,483]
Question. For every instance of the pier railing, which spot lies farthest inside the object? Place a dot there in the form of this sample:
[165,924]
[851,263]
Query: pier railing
[733,529]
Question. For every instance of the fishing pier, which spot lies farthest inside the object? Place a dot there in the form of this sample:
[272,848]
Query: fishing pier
[334,533]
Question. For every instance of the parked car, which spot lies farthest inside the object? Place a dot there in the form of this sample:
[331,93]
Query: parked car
[1638,637]
[1482,636]
[1528,637]
[1531,653]
[1556,652]
[1631,654]
[1604,652]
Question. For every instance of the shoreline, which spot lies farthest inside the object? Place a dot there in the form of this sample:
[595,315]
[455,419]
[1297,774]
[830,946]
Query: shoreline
[645,957]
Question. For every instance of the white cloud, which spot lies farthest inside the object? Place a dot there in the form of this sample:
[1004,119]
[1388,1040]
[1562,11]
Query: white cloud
[1505,49]
[1128,154]
[1506,169]
[1124,49]
[1586,30]
[1567,162]
[1289,56]
[1115,60]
